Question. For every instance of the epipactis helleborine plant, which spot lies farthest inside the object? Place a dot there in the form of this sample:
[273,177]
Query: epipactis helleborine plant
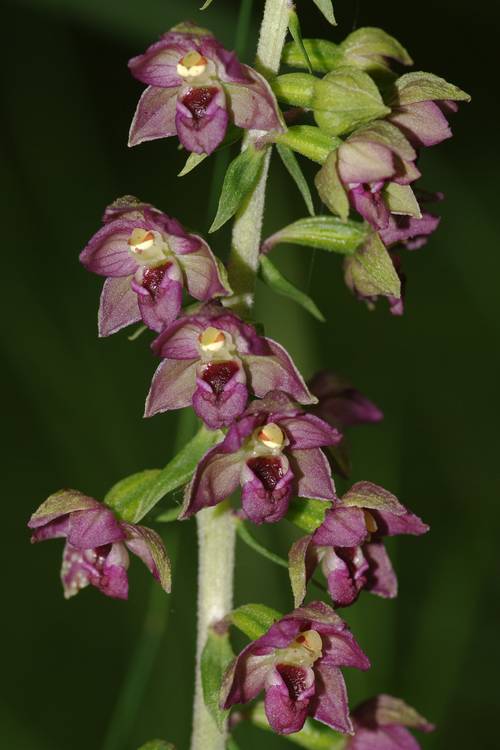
[265,434]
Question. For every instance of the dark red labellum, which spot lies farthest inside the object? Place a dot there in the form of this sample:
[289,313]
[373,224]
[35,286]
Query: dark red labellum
[268,469]
[152,278]
[197,100]
[294,678]
[218,375]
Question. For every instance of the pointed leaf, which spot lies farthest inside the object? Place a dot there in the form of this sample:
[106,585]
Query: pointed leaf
[370,48]
[370,271]
[296,32]
[292,165]
[206,4]
[281,285]
[178,471]
[309,141]
[322,232]
[254,619]
[241,178]
[126,495]
[246,537]
[420,87]
[323,56]
[330,187]
[326,7]
[313,736]
[233,135]
[297,568]
[346,98]
[307,513]
[192,162]
[215,658]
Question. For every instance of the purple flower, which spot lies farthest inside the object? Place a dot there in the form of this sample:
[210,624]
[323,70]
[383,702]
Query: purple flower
[297,664]
[273,452]
[409,231]
[195,87]
[376,165]
[342,406]
[381,724]
[97,544]
[424,123]
[148,258]
[212,360]
[349,545]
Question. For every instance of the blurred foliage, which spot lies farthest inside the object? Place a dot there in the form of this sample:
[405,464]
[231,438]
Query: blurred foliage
[73,403]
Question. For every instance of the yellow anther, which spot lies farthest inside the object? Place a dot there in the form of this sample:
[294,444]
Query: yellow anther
[371,523]
[193,64]
[271,436]
[311,641]
[140,240]
[212,339]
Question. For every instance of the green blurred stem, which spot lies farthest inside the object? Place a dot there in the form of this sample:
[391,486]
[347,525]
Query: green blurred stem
[216,526]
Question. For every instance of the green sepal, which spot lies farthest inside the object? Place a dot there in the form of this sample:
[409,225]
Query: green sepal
[307,513]
[125,496]
[321,232]
[420,87]
[296,32]
[278,283]
[241,178]
[313,736]
[297,570]
[400,199]
[368,495]
[330,187]
[326,7]
[157,745]
[345,99]
[254,619]
[371,49]
[295,89]
[370,271]
[293,167]
[215,658]
[323,55]
[309,141]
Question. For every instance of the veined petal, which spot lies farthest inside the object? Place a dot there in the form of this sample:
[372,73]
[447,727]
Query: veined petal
[94,528]
[172,387]
[277,372]
[201,118]
[149,547]
[118,307]
[179,340]
[312,474]
[365,162]
[203,278]
[341,584]
[158,65]
[382,579]
[154,116]
[253,103]
[406,523]
[342,527]
[107,253]
[215,479]
[60,504]
[423,123]
[308,431]
[330,705]
[285,714]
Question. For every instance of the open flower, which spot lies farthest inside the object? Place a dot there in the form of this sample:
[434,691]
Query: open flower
[273,452]
[213,360]
[381,724]
[195,87]
[148,258]
[97,544]
[349,545]
[297,662]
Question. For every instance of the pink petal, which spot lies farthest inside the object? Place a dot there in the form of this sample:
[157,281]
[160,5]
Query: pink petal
[172,387]
[118,307]
[154,116]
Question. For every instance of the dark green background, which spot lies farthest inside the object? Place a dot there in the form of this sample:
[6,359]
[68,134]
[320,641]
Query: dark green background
[73,403]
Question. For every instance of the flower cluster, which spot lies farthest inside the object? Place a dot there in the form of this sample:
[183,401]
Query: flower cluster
[275,438]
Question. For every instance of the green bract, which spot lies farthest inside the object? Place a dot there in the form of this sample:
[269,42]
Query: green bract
[214,660]
[420,87]
[322,232]
[276,281]
[254,619]
[330,187]
[241,178]
[307,514]
[370,271]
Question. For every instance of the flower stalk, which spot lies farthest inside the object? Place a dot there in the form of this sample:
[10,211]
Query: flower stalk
[216,526]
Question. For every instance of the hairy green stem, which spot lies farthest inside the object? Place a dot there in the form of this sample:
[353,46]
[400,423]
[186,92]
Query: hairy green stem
[216,526]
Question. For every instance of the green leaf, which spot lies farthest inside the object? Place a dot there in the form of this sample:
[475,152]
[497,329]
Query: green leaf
[309,141]
[192,162]
[157,745]
[246,537]
[296,32]
[280,285]
[420,87]
[292,165]
[326,7]
[241,178]
[233,135]
[400,199]
[254,619]
[313,736]
[330,187]
[370,271]
[215,659]
[346,98]
[323,56]
[307,513]
[126,495]
[297,568]
[296,89]
[322,232]
[176,473]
